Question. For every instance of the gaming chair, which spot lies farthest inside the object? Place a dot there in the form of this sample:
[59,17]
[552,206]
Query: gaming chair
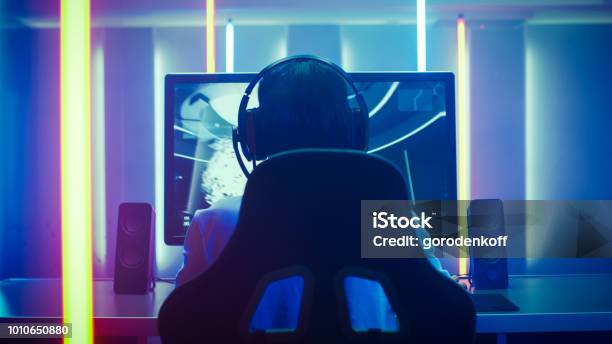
[301,211]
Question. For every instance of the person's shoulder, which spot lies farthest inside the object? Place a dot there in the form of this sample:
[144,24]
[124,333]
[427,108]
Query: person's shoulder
[224,209]
[227,204]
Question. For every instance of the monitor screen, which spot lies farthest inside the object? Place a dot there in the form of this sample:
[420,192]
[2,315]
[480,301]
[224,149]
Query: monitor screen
[411,124]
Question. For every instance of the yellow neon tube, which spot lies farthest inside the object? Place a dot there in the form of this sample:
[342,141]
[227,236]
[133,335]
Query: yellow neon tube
[463,134]
[210,37]
[75,147]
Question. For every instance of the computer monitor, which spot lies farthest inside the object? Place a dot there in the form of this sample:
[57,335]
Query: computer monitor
[412,124]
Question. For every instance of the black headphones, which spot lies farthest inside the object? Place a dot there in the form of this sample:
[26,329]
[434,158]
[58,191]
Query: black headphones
[244,135]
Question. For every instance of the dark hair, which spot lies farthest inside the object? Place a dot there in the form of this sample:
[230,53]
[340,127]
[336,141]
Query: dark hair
[304,104]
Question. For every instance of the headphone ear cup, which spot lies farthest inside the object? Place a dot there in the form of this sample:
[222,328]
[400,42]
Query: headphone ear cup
[245,133]
[252,116]
[258,142]
[360,130]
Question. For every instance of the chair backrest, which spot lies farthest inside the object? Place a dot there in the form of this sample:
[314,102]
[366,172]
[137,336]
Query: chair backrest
[302,209]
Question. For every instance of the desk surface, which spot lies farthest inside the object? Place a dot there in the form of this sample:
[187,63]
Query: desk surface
[553,304]
[548,304]
[114,315]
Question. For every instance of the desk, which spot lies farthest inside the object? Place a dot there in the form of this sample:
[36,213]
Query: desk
[548,304]
[553,304]
[114,315]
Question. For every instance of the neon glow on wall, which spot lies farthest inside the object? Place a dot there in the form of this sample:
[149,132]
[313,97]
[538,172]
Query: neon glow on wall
[421,36]
[76,196]
[463,126]
[99,157]
[162,259]
[210,37]
[531,163]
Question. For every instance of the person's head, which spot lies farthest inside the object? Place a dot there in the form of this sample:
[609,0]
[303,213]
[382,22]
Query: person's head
[304,104]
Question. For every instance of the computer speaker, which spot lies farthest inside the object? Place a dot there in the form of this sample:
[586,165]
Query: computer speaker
[488,265]
[134,250]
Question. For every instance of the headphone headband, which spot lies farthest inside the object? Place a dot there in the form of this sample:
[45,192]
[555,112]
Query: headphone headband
[271,66]
[240,133]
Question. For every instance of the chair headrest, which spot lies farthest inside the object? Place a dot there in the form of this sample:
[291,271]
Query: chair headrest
[331,173]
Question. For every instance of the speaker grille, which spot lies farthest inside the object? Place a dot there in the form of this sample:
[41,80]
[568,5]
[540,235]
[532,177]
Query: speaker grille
[135,220]
[132,255]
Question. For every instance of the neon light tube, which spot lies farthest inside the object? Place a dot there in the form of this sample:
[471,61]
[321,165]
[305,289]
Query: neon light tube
[75,166]
[210,37]
[463,116]
[229,47]
[162,259]
[421,37]
[463,131]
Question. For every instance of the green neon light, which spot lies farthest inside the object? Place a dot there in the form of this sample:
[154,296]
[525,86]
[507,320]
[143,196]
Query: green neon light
[75,126]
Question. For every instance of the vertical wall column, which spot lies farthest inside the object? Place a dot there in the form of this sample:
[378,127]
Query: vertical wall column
[497,105]
[129,125]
